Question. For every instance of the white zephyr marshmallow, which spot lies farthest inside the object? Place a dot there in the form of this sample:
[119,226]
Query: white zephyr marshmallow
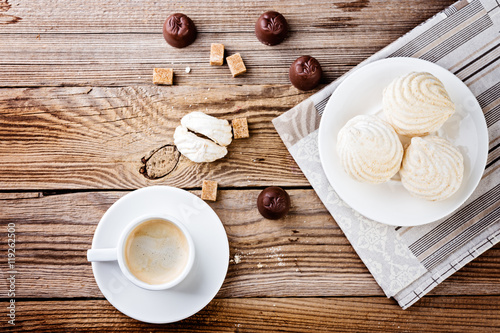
[369,149]
[416,104]
[195,148]
[432,168]
[218,130]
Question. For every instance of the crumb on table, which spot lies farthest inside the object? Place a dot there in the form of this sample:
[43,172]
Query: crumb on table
[237,258]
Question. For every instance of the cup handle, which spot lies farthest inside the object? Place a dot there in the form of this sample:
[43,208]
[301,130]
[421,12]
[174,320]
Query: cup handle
[102,254]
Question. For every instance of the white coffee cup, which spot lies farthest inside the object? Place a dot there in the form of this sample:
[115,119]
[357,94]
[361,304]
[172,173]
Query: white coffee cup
[118,253]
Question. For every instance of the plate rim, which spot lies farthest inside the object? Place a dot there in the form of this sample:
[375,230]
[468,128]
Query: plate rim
[351,77]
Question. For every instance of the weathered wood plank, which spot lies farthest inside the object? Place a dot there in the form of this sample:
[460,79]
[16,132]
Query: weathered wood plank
[371,314]
[61,138]
[94,138]
[306,254]
[129,59]
[106,16]
[82,50]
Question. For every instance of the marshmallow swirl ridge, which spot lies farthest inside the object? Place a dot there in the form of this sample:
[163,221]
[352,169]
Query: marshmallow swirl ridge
[416,104]
[432,168]
[369,149]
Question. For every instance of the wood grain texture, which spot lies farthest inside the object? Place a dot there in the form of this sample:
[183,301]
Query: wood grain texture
[305,254]
[129,59]
[102,43]
[109,122]
[90,138]
[216,16]
[361,314]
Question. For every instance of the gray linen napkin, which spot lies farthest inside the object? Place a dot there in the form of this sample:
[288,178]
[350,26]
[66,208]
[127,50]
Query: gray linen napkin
[408,262]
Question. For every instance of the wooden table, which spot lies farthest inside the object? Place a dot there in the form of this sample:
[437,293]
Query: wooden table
[79,118]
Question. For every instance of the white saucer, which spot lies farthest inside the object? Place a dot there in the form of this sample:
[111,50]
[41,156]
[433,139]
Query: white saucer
[206,276]
[390,203]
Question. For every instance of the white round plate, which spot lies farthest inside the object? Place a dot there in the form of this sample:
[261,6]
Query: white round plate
[390,203]
[205,278]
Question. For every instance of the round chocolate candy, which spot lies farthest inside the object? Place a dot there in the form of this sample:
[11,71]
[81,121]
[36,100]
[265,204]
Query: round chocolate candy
[305,73]
[273,203]
[271,28]
[179,30]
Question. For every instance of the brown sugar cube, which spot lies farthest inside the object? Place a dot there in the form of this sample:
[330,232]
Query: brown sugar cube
[209,190]
[163,76]
[217,54]
[236,65]
[240,128]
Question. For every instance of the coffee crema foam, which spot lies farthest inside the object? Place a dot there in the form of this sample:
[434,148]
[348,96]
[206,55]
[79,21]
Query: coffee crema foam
[156,251]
